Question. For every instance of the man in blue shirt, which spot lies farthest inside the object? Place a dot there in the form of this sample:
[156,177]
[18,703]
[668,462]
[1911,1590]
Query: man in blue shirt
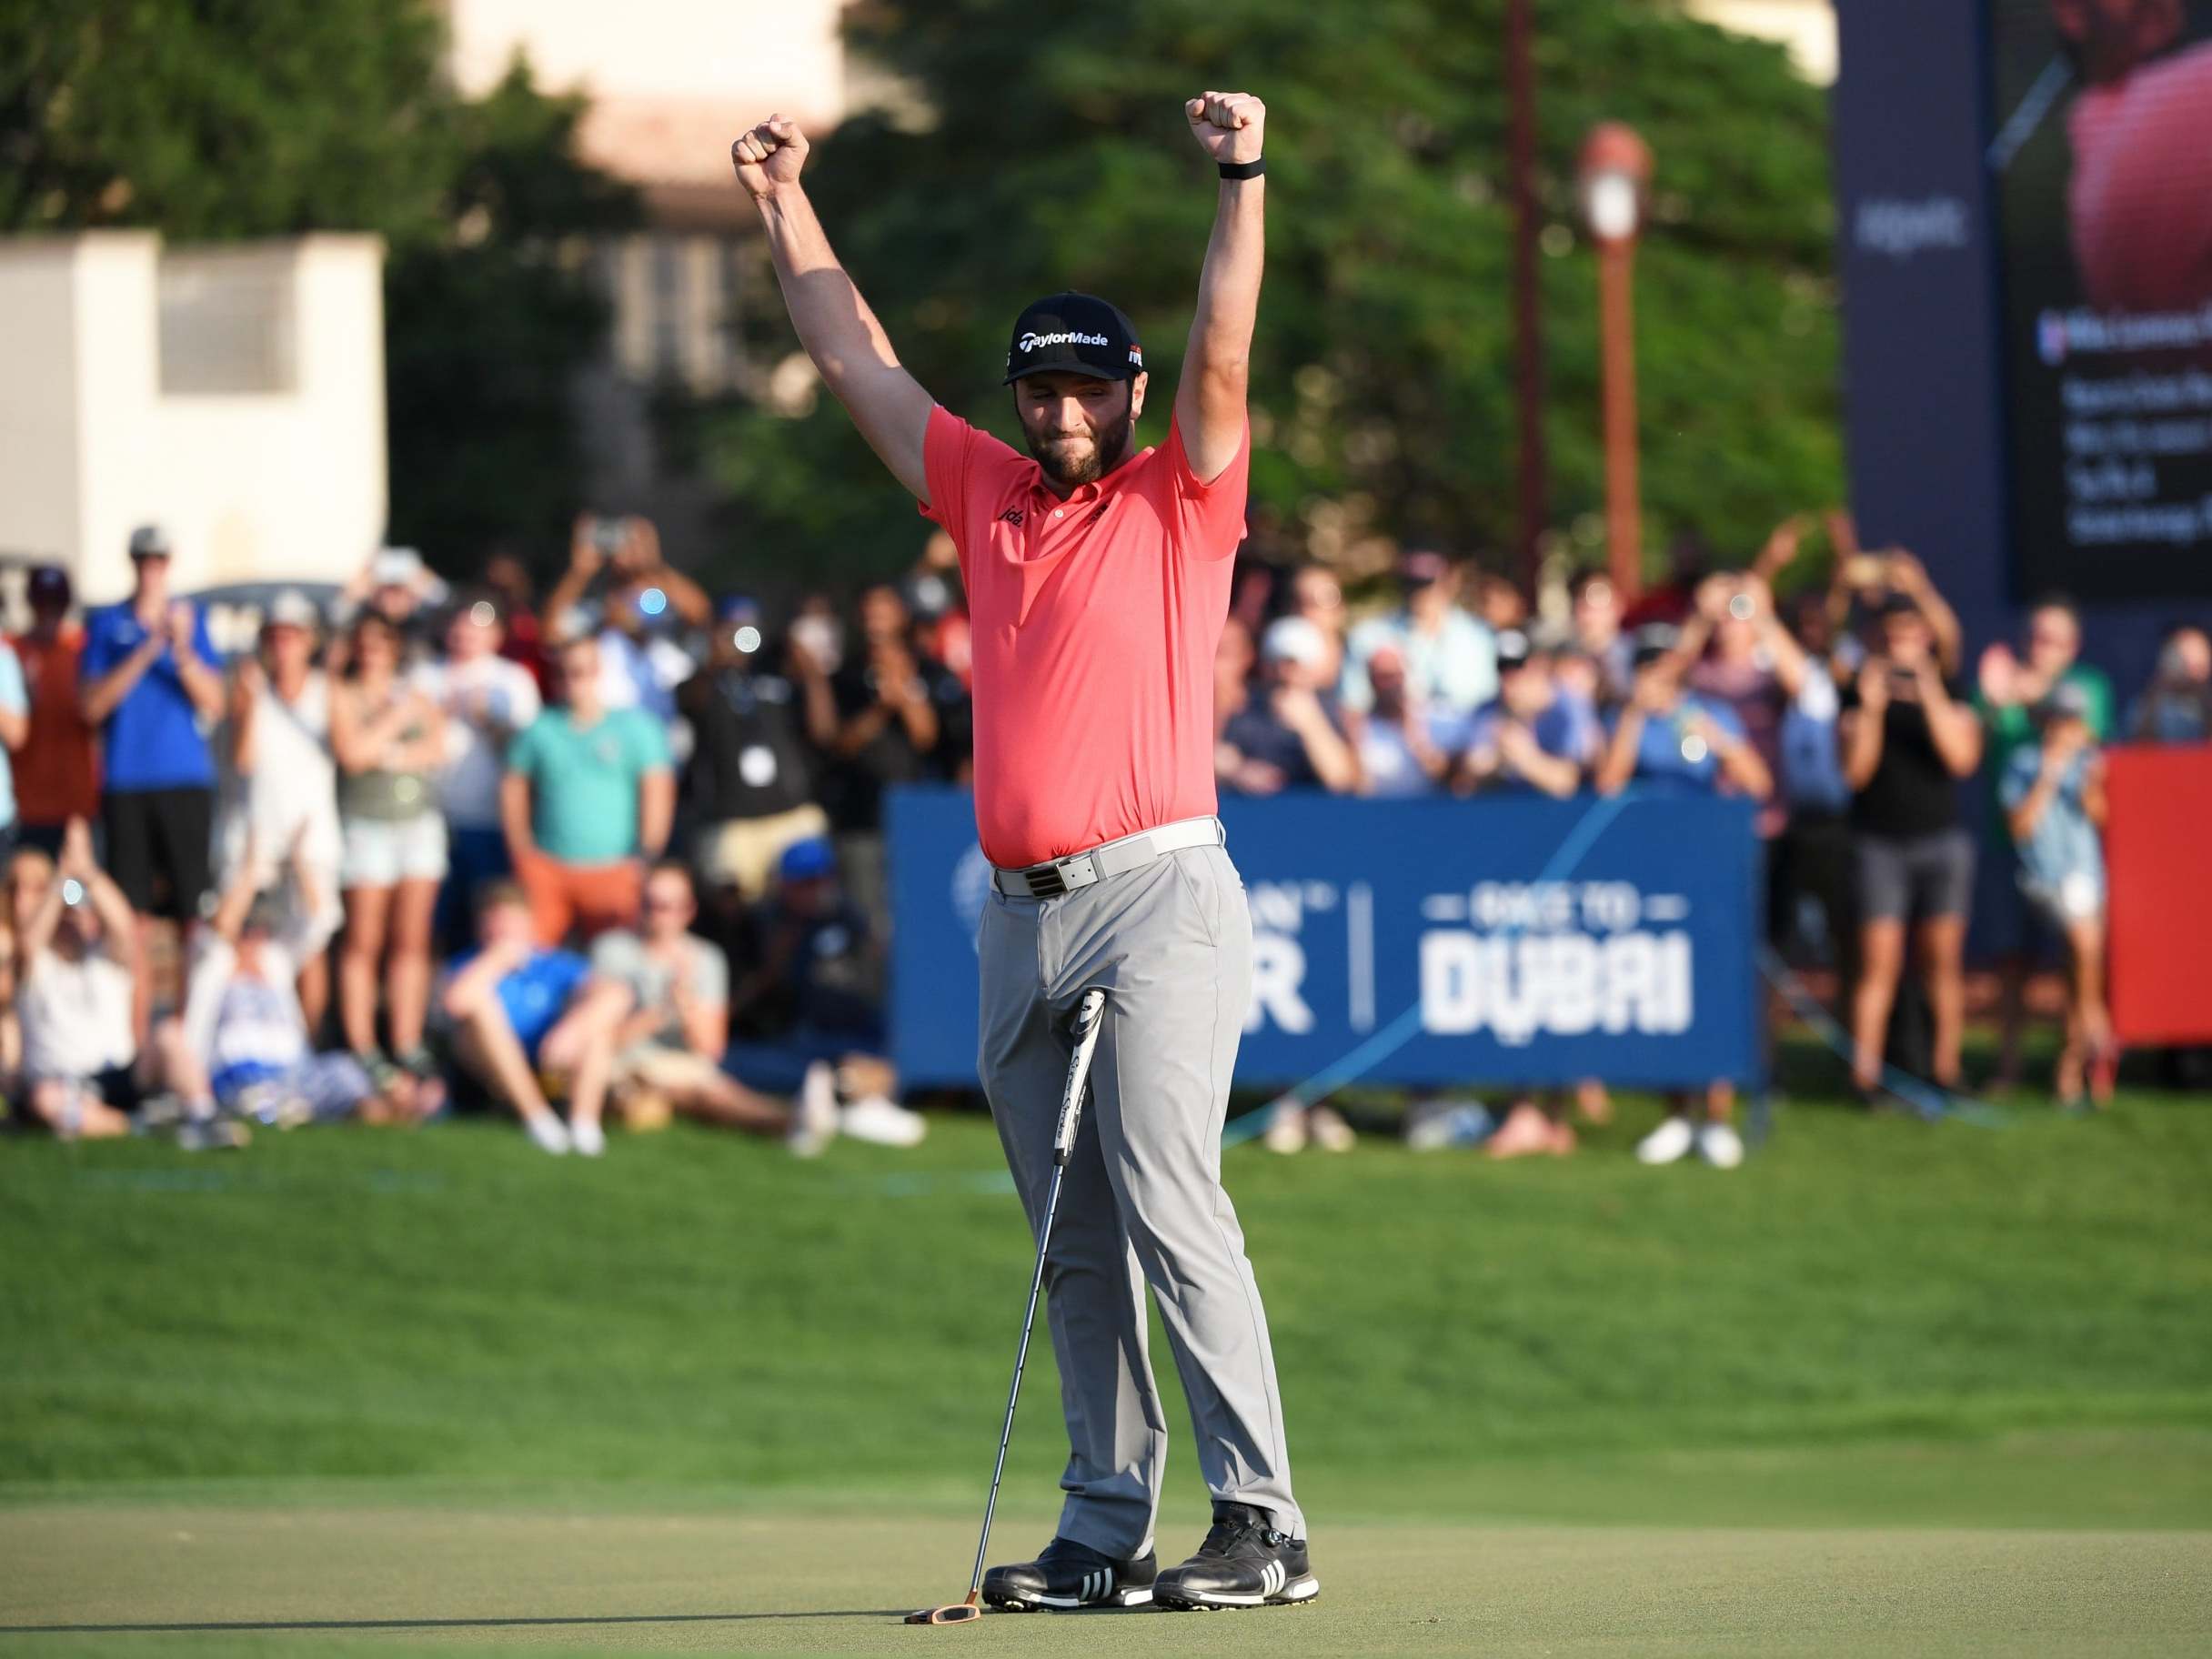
[148,678]
[519,1012]
[1669,738]
[1532,738]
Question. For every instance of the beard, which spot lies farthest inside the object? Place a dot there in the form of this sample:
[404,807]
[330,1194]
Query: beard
[1108,447]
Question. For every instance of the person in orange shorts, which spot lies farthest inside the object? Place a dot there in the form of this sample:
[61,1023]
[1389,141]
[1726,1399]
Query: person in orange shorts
[588,800]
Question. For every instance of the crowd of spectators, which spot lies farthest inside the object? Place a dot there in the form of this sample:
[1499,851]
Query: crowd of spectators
[1845,712]
[618,855]
[615,857]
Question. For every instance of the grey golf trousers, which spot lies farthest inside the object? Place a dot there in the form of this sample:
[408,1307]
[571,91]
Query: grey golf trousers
[1142,1202]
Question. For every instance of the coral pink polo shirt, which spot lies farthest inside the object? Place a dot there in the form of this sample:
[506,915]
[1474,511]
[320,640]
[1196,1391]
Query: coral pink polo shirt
[1094,624]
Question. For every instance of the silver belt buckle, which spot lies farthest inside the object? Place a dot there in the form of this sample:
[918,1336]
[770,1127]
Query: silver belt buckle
[1051,880]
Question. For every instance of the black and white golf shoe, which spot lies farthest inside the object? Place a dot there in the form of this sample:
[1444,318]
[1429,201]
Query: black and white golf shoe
[1244,1562]
[1069,1576]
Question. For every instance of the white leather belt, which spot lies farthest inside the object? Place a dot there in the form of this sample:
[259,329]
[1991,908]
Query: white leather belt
[1051,879]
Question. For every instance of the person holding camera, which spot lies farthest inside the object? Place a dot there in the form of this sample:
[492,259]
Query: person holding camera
[2053,794]
[640,599]
[1668,737]
[1908,738]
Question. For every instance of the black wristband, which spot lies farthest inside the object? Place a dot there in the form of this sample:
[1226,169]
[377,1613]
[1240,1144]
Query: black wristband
[1243,169]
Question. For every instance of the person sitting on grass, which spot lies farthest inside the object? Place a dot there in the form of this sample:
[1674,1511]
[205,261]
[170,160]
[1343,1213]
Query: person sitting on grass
[517,1010]
[84,1070]
[2052,793]
[813,992]
[669,1048]
[246,1045]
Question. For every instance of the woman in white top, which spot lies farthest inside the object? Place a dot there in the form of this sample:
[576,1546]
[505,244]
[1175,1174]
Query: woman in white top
[284,783]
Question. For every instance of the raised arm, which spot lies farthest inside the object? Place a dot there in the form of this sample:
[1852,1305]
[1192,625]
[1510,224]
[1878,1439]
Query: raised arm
[840,332]
[1217,366]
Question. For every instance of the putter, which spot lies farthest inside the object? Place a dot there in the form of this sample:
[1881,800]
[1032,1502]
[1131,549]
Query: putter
[1089,1015]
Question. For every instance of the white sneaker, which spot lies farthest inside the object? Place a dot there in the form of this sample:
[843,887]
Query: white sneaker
[1669,1144]
[814,1124]
[885,1123]
[1719,1145]
[1286,1128]
[1329,1129]
[550,1133]
[588,1140]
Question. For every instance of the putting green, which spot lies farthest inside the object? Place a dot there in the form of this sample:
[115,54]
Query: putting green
[143,1579]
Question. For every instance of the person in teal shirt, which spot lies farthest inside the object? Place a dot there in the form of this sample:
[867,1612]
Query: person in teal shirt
[587,802]
[2011,686]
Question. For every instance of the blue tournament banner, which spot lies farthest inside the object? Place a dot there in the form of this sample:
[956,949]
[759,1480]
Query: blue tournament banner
[1447,941]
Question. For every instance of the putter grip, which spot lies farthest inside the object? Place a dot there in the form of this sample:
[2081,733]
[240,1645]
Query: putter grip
[1090,1014]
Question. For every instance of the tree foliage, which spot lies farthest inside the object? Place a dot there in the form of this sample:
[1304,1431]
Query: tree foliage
[240,119]
[1055,155]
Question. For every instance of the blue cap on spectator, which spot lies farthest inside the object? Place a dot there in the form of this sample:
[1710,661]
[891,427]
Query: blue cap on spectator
[805,860]
[738,607]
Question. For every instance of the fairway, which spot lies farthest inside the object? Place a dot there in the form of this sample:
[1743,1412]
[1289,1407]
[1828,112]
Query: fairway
[381,1581]
[1891,1388]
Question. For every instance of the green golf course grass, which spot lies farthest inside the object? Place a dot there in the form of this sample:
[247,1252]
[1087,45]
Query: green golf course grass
[1891,1387]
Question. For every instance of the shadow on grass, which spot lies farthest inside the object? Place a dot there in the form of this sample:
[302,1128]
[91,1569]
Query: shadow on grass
[206,1627]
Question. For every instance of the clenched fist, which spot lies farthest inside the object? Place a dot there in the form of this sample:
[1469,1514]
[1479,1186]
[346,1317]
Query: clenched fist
[1226,124]
[770,156]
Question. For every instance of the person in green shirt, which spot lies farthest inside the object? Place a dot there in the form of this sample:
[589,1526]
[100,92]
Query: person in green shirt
[588,800]
[2013,685]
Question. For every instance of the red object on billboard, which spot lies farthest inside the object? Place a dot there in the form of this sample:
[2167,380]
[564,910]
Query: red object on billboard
[2161,892]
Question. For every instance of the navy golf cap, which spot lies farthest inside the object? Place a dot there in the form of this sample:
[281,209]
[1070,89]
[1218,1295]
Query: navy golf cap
[1073,334]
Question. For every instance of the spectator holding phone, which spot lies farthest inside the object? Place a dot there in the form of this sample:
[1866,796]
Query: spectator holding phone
[84,1069]
[1907,739]
[2013,685]
[1668,737]
[1531,739]
[2052,793]
[1290,733]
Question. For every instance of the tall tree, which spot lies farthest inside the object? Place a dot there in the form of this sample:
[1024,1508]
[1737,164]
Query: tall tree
[1051,152]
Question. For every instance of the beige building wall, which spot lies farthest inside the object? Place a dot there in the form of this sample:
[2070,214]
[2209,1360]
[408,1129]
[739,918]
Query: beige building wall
[671,82]
[234,396]
[1807,27]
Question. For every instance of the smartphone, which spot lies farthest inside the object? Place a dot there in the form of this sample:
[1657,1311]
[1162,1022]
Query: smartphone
[608,534]
[1864,570]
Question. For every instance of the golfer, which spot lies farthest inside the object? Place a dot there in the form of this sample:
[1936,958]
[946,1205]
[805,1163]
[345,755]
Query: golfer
[1098,581]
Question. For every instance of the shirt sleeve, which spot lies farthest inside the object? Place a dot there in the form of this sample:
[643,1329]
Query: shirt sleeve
[710,982]
[1209,516]
[99,653]
[2019,778]
[567,971]
[944,467]
[523,703]
[522,753]
[649,744]
[203,642]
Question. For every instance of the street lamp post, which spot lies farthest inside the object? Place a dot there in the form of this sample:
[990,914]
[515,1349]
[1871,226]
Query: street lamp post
[1616,170]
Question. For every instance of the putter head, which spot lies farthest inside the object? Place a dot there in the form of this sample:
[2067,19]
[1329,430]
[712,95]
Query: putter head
[958,1612]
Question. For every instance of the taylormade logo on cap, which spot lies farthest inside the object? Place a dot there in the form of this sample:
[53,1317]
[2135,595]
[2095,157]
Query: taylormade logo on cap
[1030,342]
